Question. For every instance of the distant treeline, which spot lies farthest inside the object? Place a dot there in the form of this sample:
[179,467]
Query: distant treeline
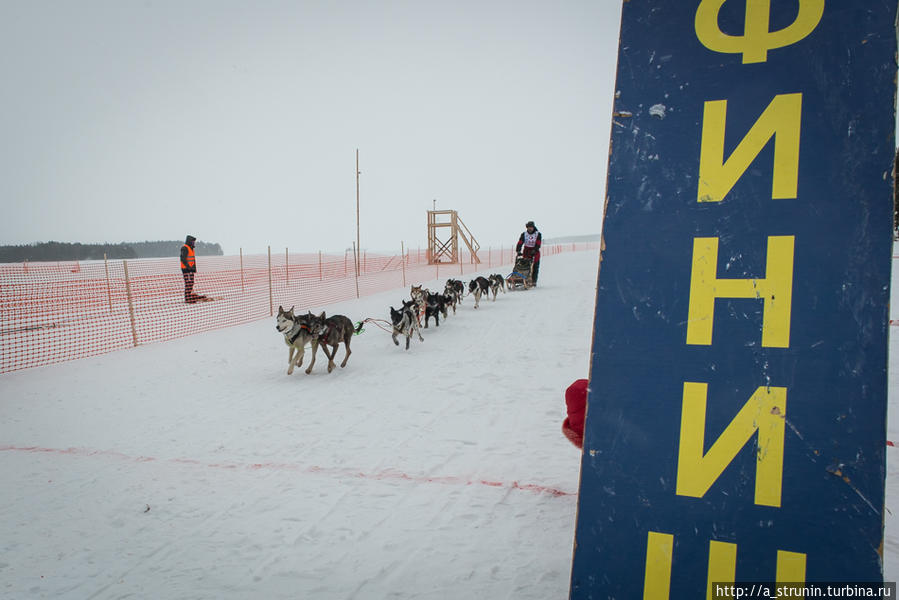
[50,251]
[577,239]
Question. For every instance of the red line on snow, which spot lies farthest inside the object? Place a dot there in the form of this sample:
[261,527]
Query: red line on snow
[271,466]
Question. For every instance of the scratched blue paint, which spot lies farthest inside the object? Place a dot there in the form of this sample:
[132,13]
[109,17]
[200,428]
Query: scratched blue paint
[835,367]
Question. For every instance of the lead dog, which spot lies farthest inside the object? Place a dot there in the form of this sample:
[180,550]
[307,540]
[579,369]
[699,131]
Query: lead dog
[331,331]
[297,332]
[405,322]
[478,286]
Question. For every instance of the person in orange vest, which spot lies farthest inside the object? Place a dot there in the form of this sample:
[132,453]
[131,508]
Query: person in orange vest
[189,269]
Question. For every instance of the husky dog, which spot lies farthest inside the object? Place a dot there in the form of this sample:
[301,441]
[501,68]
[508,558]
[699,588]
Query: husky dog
[447,301]
[331,331]
[435,306]
[420,298]
[455,287]
[454,290]
[478,286]
[297,333]
[497,282]
[405,322]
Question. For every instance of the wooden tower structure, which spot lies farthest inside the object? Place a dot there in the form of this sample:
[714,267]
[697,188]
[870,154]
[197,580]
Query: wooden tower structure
[445,229]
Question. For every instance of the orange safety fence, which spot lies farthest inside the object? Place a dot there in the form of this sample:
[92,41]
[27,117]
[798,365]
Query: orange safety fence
[53,312]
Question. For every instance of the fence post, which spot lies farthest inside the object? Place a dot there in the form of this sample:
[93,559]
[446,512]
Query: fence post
[108,291]
[241,270]
[320,277]
[403,260]
[130,303]
[25,266]
[287,264]
[271,305]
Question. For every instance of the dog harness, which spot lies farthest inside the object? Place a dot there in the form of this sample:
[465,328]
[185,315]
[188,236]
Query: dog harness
[299,327]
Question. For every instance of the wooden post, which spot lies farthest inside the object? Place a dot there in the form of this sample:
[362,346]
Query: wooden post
[271,304]
[241,270]
[320,276]
[130,303]
[287,265]
[358,246]
[355,254]
[403,260]
[108,290]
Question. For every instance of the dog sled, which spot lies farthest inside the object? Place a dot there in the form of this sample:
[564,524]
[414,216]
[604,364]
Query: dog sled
[522,275]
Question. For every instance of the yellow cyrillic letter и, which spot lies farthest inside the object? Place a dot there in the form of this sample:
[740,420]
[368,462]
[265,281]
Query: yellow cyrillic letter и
[764,412]
[781,120]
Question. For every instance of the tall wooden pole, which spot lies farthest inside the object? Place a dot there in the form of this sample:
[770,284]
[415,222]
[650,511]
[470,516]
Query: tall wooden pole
[358,244]
[356,254]
[271,301]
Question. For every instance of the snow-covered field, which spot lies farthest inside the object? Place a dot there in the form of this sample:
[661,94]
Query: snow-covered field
[198,469]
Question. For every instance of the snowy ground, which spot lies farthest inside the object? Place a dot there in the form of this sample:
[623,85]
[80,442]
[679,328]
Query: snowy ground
[198,469]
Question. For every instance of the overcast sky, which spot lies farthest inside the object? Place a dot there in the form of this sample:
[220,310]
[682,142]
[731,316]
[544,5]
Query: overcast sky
[238,122]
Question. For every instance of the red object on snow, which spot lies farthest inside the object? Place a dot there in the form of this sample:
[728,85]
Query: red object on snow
[576,401]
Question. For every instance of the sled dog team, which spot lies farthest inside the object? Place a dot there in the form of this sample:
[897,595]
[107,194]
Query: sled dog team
[329,332]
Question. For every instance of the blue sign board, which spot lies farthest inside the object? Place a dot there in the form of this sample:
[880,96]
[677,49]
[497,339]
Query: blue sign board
[737,407]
